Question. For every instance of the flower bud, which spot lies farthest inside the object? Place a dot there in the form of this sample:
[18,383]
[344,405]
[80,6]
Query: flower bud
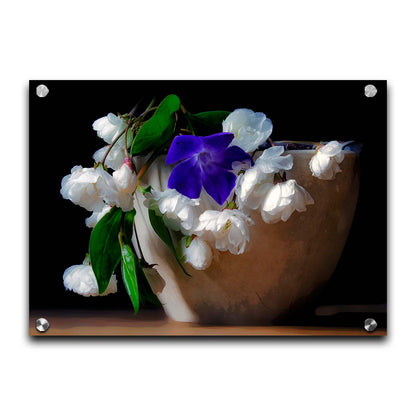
[125,177]
[81,279]
[198,254]
[324,164]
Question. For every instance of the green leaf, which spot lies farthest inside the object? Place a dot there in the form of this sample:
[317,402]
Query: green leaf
[162,231]
[128,224]
[104,247]
[159,129]
[208,121]
[128,271]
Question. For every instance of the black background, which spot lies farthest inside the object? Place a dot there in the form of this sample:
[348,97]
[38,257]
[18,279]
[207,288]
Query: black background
[61,136]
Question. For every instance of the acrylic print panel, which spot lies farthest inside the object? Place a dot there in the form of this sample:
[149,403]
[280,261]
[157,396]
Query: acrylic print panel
[207,208]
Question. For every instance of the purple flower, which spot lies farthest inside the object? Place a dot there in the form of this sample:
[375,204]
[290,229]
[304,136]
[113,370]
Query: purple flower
[205,162]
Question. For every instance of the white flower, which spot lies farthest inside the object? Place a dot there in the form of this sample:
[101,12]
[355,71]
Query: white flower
[81,279]
[115,157]
[93,188]
[272,161]
[250,129]
[227,229]
[179,212]
[92,220]
[109,127]
[324,164]
[125,178]
[283,199]
[88,187]
[198,254]
[253,186]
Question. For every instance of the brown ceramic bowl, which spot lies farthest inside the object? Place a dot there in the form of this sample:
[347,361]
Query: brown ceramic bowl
[286,263]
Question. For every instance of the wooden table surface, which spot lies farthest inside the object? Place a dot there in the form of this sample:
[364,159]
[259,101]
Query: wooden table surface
[155,323]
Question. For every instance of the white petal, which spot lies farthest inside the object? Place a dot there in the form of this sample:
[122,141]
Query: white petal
[271,160]
[324,164]
[114,159]
[125,179]
[227,229]
[179,212]
[198,254]
[80,187]
[92,220]
[331,148]
[109,127]
[250,129]
[100,123]
[283,199]
[81,279]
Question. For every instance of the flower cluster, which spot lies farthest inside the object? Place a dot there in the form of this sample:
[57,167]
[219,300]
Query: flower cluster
[262,188]
[217,186]
[96,190]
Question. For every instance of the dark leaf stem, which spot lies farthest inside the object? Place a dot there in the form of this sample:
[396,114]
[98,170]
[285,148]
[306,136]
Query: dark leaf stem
[188,119]
[148,108]
[112,145]
[152,158]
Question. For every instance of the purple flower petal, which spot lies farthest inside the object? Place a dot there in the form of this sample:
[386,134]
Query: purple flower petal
[218,183]
[186,178]
[226,158]
[218,141]
[206,161]
[183,147]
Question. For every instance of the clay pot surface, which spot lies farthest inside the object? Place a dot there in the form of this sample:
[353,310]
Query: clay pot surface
[284,265]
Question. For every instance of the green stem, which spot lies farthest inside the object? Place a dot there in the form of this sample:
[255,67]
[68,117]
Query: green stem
[121,234]
[120,239]
[126,153]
